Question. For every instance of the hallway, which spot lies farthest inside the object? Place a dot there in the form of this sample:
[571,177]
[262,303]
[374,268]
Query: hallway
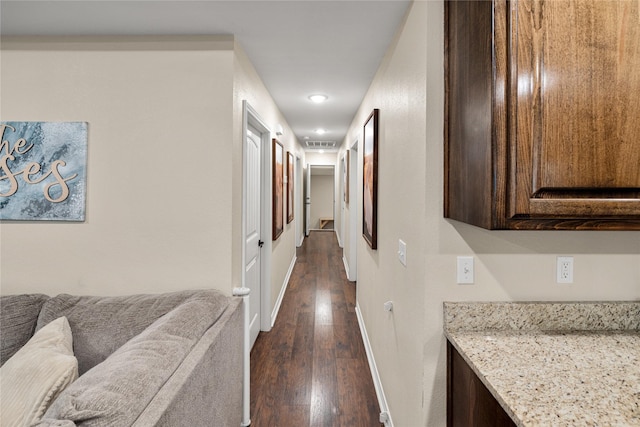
[311,369]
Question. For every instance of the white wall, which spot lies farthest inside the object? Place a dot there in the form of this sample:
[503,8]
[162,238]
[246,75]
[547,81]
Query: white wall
[397,338]
[158,212]
[248,86]
[408,344]
[326,159]
[322,188]
[164,197]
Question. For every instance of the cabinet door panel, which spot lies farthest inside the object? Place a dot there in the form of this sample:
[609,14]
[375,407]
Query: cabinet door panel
[469,401]
[575,83]
[469,123]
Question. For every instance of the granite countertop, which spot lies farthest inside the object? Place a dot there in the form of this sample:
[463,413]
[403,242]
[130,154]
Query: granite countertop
[560,364]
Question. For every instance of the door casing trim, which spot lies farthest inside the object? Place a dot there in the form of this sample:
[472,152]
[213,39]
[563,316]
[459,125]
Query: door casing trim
[250,117]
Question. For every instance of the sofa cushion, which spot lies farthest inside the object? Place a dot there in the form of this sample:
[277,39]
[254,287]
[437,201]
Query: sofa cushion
[100,325]
[116,391]
[37,374]
[18,317]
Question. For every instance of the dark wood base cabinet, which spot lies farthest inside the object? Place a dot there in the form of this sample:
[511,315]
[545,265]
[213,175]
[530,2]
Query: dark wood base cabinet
[469,402]
[542,114]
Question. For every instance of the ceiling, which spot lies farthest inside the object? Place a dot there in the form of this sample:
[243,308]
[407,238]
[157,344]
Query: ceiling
[299,48]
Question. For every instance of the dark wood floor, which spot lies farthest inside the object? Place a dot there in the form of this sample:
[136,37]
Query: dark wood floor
[311,368]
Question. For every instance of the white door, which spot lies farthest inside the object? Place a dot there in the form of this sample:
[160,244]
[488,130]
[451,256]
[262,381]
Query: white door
[252,229]
[307,202]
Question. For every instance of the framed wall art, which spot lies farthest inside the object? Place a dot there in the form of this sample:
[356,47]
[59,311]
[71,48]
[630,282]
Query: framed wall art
[289,187]
[43,167]
[278,189]
[370,180]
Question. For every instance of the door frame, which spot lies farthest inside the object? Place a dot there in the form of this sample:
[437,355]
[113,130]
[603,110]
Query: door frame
[251,118]
[298,197]
[308,202]
[354,206]
[341,195]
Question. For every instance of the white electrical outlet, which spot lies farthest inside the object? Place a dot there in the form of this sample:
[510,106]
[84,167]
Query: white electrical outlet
[564,269]
[465,270]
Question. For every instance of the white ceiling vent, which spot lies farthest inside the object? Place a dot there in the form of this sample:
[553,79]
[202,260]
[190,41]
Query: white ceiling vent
[320,145]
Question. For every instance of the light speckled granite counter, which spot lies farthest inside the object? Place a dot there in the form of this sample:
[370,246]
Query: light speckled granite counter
[554,364]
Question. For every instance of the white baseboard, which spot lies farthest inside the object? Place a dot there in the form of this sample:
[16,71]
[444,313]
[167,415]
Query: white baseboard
[346,267]
[385,415]
[274,314]
[338,237]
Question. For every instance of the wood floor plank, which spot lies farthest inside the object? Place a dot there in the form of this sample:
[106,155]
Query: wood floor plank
[351,383]
[324,338]
[298,376]
[298,381]
[266,392]
[343,338]
[324,389]
[341,316]
[324,309]
[311,368]
[303,335]
[297,415]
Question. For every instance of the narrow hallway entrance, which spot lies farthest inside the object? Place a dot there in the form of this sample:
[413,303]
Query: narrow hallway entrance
[311,369]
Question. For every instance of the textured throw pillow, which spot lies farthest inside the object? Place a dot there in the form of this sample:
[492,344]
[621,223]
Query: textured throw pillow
[116,391]
[33,377]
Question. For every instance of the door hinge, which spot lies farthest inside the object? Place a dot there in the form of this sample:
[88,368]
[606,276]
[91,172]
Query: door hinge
[260,243]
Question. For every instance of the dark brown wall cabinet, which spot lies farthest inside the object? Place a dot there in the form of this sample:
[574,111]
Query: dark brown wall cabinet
[542,114]
[469,402]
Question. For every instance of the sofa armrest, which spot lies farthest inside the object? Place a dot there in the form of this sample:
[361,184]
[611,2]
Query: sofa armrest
[206,389]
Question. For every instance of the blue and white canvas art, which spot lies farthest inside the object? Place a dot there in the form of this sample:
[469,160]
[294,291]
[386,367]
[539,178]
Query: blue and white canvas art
[43,171]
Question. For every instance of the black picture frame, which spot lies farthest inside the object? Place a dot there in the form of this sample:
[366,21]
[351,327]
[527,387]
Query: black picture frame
[370,179]
[278,189]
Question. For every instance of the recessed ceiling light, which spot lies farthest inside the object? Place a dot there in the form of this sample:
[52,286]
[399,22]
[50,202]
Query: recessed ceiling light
[318,98]
[306,137]
[321,151]
[321,131]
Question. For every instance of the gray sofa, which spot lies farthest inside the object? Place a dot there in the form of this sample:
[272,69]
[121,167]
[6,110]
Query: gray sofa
[170,359]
